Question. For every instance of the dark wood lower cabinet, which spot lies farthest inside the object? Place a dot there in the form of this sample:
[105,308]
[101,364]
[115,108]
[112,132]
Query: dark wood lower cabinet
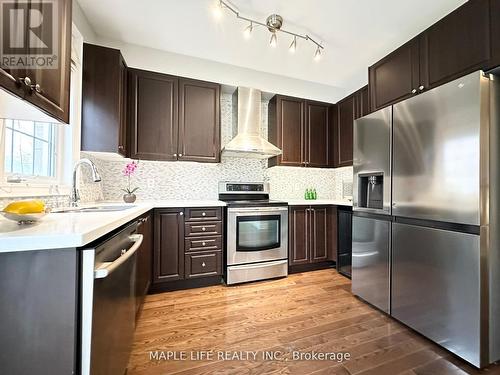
[312,235]
[144,259]
[344,257]
[169,245]
[187,252]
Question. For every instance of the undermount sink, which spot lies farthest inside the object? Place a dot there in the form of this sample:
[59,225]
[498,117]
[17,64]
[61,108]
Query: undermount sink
[93,209]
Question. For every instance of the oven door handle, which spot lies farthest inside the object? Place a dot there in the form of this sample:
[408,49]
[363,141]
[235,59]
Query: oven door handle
[258,209]
[106,268]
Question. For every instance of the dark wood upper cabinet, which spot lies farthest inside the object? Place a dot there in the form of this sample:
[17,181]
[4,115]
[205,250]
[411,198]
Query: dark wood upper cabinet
[153,115]
[361,102]
[312,234]
[458,44]
[286,129]
[396,76]
[199,121]
[168,245]
[343,132]
[172,118]
[104,100]
[318,128]
[46,88]
[464,41]
[300,128]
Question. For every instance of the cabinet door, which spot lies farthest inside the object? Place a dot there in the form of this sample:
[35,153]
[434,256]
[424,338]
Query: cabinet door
[323,233]
[122,92]
[298,243]
[457,45]
[395,76]
[199,121]
[53,85]
[153,114]
[495,31]
[144,259]
[362,103]
[291,130]
[343,132]
[317,120]
[103,96]
[169,245]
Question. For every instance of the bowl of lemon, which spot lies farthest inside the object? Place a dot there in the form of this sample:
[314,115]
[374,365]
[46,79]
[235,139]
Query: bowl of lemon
[25,211]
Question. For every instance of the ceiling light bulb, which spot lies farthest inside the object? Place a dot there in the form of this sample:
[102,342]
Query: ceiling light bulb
[274,40]
[317,54]
[217,9]
[293,45]
[247,33]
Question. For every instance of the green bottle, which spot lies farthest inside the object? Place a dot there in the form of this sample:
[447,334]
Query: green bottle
[306,194]
[314,194]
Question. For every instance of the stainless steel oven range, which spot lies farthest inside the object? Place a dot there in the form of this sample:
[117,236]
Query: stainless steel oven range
[256,233]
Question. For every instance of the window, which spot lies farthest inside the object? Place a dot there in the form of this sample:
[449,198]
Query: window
[30,148]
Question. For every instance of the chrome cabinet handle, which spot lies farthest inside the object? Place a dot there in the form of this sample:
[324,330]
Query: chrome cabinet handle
[181,213]
[203,264]
[421,87]
[414,91]
[27,82]
[175,155]
[203,243]
[180,155]
[203,229]
[37,88]
[203,214]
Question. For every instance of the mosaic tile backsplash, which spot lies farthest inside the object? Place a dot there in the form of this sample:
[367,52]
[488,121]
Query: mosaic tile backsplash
[189,180]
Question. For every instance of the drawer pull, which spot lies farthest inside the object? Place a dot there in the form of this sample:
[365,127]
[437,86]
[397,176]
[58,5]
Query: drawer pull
[203,229]
[203,214]
[203,243]
[203,264]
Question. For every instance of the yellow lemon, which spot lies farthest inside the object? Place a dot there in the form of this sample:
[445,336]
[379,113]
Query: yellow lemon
[25,207]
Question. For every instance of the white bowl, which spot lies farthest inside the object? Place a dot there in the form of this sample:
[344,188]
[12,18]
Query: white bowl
[23,218]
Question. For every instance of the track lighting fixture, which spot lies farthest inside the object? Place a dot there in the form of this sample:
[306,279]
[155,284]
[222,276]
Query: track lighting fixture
[273,24]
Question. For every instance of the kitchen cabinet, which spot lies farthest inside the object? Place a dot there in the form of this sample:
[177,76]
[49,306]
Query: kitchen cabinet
[172,118]
[48,89]
[395,77]
[460,43]
[312,235]
[342,132]
[199,121]
[188,246]
[361,102]
[168,245]
[153,111]
[104,90]
[344,251]
[300,128]
[144,259]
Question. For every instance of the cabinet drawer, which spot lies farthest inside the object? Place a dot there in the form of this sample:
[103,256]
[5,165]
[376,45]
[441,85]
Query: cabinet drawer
[198,214]
[203,264]
[203,229]
[203,244]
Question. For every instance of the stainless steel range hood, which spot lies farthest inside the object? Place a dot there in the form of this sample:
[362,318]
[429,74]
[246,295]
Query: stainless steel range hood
[249,142]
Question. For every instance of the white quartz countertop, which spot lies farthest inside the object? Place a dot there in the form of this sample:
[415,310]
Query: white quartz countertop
[317,202]
[77,229]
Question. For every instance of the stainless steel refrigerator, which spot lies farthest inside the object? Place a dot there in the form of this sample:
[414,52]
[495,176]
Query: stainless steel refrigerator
[426,215]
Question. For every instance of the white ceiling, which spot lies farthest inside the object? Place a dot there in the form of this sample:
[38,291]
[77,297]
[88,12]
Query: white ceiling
[355,33]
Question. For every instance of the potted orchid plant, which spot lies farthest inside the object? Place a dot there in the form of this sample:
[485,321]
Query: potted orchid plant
[129,170]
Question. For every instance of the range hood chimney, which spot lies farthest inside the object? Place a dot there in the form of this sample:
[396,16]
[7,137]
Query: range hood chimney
[249,142]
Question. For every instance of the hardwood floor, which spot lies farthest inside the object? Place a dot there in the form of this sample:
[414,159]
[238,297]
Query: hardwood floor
[305,312]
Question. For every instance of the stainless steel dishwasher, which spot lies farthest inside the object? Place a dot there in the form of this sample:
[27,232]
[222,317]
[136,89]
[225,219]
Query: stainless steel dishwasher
[107,316]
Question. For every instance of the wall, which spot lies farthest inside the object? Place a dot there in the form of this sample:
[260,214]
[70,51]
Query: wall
[226,74]
[189,180]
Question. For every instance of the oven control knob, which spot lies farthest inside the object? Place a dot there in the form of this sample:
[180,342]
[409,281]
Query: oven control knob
[203,243]
[203,229]
[203,214]
[203,264]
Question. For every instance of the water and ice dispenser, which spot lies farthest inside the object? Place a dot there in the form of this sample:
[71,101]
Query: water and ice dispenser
[371,190]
